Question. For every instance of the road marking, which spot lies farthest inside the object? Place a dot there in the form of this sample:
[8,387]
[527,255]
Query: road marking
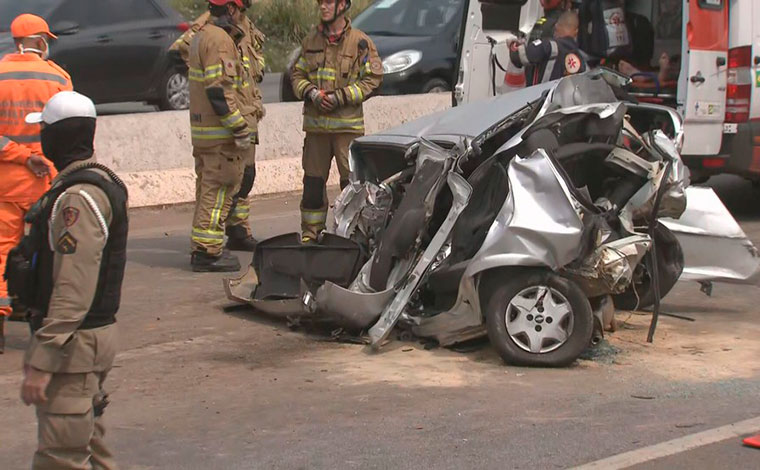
[676,446]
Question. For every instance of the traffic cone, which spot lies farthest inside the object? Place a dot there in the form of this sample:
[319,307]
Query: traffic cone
[753,441]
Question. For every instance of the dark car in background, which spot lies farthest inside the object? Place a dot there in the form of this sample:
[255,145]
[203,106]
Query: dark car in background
[417,41]
[115,50]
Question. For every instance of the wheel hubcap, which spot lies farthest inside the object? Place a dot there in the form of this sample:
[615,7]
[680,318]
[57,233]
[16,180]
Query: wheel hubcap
[178,92]
[539,319]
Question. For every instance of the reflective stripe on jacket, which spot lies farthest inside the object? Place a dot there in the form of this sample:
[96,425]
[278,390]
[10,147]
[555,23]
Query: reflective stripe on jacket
[350,68]
[250,47]
[26,83]
[216,76]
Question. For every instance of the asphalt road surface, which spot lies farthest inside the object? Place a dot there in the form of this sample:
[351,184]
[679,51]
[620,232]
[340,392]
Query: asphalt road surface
[198,387]
[270,91]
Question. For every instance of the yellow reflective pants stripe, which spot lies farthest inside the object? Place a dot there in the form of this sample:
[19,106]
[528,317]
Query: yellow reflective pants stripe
[219,171]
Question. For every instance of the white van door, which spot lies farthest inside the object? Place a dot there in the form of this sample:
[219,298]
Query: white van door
[755,108]
[702,84]
[489,26]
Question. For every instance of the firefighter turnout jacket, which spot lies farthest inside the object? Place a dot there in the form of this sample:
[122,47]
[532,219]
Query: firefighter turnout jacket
[220,88]
[251,50]
[28,82]
[551,59]
[348,66]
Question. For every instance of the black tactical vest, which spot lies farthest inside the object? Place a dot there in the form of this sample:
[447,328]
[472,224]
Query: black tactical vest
[108,294]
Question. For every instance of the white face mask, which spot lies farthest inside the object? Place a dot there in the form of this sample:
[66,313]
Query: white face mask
[44,54]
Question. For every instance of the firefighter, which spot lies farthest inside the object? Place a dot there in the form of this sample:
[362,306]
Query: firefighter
[69,270]
[553,58]
[338,69]
[27,81]
[238,228]
[221,134]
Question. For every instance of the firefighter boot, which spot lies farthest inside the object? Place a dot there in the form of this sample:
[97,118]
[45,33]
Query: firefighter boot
[238,239]
[203,262]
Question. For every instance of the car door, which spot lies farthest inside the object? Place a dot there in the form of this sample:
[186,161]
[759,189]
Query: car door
[114,54]
[486,29]
[76,45]
[702,84]
[139,36]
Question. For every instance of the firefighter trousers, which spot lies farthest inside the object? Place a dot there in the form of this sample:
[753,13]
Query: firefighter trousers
[11,231]
[71,430]
[318,153]
[241,204]
[219,171]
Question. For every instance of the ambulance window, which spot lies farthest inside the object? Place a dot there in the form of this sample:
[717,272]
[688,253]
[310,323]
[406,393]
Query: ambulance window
[711,4]
[501,15]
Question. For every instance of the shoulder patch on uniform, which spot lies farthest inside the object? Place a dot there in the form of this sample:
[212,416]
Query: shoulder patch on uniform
[572,63]
[70,216]
[376,67]
[66,244]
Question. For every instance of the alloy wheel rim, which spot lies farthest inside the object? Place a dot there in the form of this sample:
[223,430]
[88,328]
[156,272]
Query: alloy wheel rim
[539,319]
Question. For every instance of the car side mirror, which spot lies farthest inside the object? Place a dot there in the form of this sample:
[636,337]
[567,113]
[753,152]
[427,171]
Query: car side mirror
[65,28]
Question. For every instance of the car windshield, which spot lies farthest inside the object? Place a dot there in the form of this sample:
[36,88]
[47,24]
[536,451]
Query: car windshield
[408,17]
[10,9]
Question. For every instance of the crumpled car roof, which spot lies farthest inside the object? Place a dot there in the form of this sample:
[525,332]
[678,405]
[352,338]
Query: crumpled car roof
[464,121]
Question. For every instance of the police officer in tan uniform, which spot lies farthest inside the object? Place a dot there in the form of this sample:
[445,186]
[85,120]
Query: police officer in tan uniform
[238,228]
[338,69]
[220,90]
[78,242]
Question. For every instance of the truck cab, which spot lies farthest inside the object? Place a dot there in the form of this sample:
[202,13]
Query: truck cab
[708,84]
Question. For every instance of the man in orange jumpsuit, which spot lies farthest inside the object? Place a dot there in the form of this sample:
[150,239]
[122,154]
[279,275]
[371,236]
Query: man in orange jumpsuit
[27,81]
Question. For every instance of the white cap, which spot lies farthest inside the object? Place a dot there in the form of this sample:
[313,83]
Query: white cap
[64,105]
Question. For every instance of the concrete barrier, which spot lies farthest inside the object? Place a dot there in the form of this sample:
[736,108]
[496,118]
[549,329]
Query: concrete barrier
[152,152]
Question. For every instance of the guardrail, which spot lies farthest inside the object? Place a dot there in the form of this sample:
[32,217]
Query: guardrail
[152,152]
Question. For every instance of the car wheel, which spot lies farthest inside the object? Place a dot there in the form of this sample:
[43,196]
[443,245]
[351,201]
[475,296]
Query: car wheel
[175,91]
[436,85]
[539,318]
[640,294]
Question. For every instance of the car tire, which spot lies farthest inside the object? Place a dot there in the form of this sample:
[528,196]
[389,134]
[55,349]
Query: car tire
[175,91]
[436,85]
[670,263]
[546,335]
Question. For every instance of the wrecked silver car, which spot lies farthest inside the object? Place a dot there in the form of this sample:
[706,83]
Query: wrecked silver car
[524,218]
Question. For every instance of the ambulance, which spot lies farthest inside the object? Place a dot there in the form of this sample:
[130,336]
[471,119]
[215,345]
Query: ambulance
[713,46]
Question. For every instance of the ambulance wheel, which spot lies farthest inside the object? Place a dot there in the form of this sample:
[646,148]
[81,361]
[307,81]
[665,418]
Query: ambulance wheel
[538,318]
[436,85]
[175,91]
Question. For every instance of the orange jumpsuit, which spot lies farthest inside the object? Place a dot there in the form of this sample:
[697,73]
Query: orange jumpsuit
[27,82]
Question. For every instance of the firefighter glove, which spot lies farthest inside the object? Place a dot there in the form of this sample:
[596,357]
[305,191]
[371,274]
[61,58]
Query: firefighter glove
[242,138]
